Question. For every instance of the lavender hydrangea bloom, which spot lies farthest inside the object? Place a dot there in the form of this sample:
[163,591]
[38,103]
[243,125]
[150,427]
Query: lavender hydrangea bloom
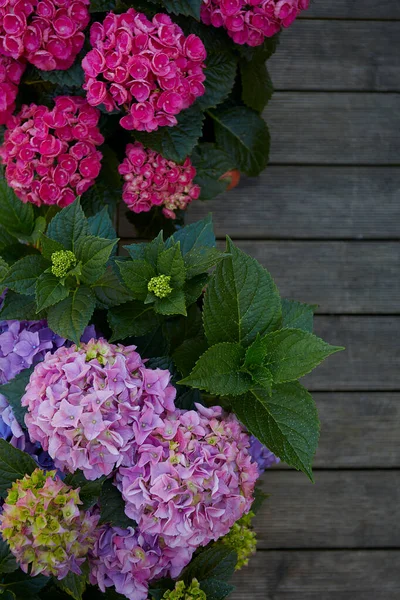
[261,455]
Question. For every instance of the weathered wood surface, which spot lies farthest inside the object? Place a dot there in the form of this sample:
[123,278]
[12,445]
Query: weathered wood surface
[330,55]
[343,509]
[334,128]
[298,202]
[353,9]
[313,575]
[358,429]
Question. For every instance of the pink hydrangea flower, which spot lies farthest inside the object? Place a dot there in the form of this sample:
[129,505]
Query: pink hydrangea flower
[50,155]
[190,478]
[128,559]
[151,180]
[250,21]
[11,72]
[48,33]
[86,405]
[149,68]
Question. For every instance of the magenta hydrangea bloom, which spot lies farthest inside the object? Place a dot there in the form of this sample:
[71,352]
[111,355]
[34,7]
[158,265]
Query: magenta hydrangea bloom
[87,406]
[190,478]
[147,67]
[11,72]
[48,33]
[250,21]
[128,559]
[50,155]
[262,455]
[151,180]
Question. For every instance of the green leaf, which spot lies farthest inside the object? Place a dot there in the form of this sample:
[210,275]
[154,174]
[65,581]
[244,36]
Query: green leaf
[4,268]
[263,377]
[297,315]
[137,250]
[6,239]
[23,585]
[70,317]
[170,262]
[49,291]
[241,300]
[14,464]
[257,88]
[73,77]
[109,290]
[94,253]
[173,304]
[106,191]
[100,225]
[8,563]
[242,134]
[260,53]
[14,390]
[255,354]
[49,247]
[292,353]
[194,288]
[15,216]
[89,491]
[112,507]
[102,5]
[68,226]
[19,307]
[153,249]
[287,422]
[220,77]
[195,236]
[188,353]
[216,562]
[131,319]
[175,143]
[23,274]
[215,589]
[211,163]
[200,259]
[259,499]
[74,585]
[136,275]
[218,371]
[190,8]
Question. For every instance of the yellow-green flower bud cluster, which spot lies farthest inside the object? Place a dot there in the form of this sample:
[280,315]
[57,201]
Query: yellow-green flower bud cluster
[160,286]
[242,539]
[62,262]
[184,592]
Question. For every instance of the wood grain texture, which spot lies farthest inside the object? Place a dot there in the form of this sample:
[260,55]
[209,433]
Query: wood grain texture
[342,277]
[343,509]
[371,360]
[334,128]
[358,430]
[353,9]
[338,55]
[304,203]
[316,575]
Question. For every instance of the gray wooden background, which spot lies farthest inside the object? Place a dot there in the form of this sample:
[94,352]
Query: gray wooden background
[324,218]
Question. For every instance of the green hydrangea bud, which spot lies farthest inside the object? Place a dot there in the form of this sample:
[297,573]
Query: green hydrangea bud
[160,286]
[242,539]
[44,527]
[62,262]
[183,592]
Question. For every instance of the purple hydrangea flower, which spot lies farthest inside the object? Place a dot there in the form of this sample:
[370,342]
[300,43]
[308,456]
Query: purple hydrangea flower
[261,455]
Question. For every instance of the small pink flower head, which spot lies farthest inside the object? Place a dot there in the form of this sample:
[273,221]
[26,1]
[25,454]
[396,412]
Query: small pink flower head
[251,21]
[129,559]
[50,155]
[151,180]
[85,405]
[191,479]
[44,527]
[147,68]
[48,33]
[11,72]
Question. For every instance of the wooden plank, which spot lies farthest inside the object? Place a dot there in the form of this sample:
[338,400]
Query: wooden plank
[358,430]
[334,274]
[306,202]
[334,128]
[343,509]
[316,575]
[353,9]
[338,55]
[371,360]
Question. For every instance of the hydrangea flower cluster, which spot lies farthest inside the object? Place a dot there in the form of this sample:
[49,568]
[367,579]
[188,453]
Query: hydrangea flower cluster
[87,406]
[151,180]
[44,527]
[129,559]
[11,72]
[242,539]
[190,477]
[185,592]
[250,21]
[148,67]
[48,33]
[50,155]
[262,455]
